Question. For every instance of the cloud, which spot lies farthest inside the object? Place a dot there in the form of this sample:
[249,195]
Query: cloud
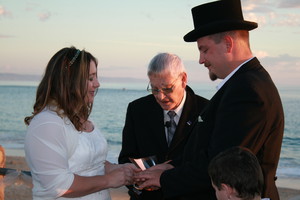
[284,64]
[4,12]
[266,13]
[122,71]
[30,6]
[292,20]
[257,11]
[260,19]
[284,69]
[261,54]
[6,36]
[274,19]
[44,16]
[147,16]
[249,7]
[258,6]
[246,2]
[289,4]
[283,19]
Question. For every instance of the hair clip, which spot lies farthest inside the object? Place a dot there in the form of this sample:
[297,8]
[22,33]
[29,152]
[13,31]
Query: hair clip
[74,58]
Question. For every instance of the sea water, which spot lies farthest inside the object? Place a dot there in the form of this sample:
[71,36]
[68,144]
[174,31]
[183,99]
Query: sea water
[109,113]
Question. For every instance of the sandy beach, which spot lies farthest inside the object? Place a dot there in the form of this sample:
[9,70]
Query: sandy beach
[289,189]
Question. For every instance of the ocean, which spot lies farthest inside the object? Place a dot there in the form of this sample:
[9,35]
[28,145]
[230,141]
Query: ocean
[109,111]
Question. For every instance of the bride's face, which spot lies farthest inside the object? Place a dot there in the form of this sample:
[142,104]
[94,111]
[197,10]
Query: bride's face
[92,83]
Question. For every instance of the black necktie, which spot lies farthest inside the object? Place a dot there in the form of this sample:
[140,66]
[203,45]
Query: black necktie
[171,127]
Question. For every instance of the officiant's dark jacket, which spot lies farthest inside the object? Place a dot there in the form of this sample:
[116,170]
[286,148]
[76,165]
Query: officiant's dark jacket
[246,111]
[144,131]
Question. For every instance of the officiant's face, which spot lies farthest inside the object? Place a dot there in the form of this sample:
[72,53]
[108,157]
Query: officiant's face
[168,90]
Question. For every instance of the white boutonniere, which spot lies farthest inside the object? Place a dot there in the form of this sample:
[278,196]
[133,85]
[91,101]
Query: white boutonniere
[200,119]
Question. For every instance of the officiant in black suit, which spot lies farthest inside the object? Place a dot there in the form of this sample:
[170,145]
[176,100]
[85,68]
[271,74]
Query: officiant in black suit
[245,111]
[148,126]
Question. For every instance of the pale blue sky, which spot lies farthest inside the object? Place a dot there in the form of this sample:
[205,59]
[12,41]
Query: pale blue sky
[125,34]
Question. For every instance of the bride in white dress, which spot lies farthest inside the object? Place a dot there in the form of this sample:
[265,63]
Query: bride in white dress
[66,153]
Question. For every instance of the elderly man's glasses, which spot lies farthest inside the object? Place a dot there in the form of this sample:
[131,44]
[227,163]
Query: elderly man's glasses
[163,90]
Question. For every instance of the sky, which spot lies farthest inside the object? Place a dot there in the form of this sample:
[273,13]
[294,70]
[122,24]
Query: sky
[125,34]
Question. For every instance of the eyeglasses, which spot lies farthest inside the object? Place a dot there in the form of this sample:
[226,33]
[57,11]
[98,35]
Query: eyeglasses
[163,90]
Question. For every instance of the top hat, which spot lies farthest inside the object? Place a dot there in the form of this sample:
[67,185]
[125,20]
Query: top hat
[216,17]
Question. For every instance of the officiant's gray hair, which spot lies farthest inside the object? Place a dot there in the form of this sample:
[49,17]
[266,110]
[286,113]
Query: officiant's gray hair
[166,62]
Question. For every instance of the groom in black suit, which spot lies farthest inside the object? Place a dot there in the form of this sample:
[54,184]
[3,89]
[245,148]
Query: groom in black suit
[246,110]
[147,121]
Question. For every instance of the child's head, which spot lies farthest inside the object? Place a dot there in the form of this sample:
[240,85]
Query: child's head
[236,172]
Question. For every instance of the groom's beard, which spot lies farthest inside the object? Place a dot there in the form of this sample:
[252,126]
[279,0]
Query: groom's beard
[212,76]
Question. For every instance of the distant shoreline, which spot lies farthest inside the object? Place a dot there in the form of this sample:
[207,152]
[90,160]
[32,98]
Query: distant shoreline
[124,83]
[114,82]
[36,78]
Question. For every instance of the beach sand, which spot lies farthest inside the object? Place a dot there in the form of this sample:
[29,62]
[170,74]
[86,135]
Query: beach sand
[288,189]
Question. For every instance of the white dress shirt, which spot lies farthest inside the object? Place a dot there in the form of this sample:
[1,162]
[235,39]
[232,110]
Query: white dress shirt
[231,74]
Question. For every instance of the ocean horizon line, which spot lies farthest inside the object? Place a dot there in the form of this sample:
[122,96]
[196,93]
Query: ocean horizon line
[14,79]
[37,78]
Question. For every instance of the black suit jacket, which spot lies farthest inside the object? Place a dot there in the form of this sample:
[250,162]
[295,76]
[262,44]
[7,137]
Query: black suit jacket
[246,111]
[144,131]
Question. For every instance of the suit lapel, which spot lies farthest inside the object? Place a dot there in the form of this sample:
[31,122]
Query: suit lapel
[157,127]
[213,105]
[185,124]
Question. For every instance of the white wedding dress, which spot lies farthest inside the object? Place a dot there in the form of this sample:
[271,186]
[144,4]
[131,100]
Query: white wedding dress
[55,151]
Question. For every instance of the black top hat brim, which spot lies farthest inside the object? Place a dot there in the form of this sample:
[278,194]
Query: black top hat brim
[218,27]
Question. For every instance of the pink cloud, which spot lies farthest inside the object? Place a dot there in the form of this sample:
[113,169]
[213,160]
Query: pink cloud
[289,4]
[274,19]
[6,36]
[284,69]
[4,12]
[289,20]
[31,6]
[44,16]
